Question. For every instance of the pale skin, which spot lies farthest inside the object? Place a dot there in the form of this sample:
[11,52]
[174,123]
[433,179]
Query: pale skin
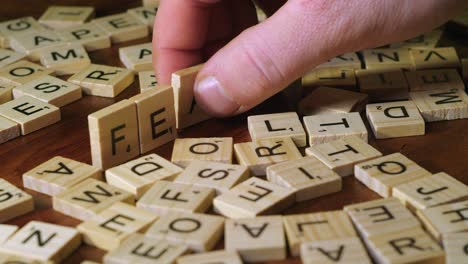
[246,62]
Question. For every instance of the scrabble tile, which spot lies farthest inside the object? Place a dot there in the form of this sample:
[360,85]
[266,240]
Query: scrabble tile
[122,27]
[331,100]
[430,191]
[6,231]
[8,57]
[88,198]
[146,15]
[8,258]
[219,176]
[165,197]
[465,69]
[345,61]
[455,245]
[138,175]
[341,155]
[427,40]
[145,250]
[445,219]
[258,239]
[199,232]
[58,174]
[65,59]
[262,153]
[31,114]
[208,149]
[324,128]
[156,117]
[407,246]
[382,174]
[58,17]
[147,80]
[13,201]
[388,59]
[276,126]
[395,119]
[308,177]
[345,250]
[261,15]
[17,26]
[89,35]
[435,58]
[113,225]
[113,134]
[138,57]
[382,216]
[6,92]
[102,80]
[384,86]
[301,228]
[441,104]
[434,79]
[34,42]
[51,90]
[253,197]
[8,130]
[330,77]
[188,112]
[219,256]
[22,72]
[151,3]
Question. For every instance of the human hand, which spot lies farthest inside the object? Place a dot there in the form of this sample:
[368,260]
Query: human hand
[248,63]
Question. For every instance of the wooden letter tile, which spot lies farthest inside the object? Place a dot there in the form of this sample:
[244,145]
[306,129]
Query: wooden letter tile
[88,198]
[395,119]
[8,130]
[102,80]
[34,42]
[258,239]
[137,176]
[441,104]
[89,35]
[65,59]
[252,198]
[13,201]
[325,128]
[165,197]
[330,225]
[51,90]
[42,241]
[156,117]
[8,57]
[151,3]
[335,77]
[262,153]
[430,191]
[22,72]
[209,149]
[435,58]
[15,26]
[188,112]
[276,126]
[219,176]
[331,100]
[423,80]
[199,232]
[145,14]
[308,176]
[58,174]
[138,57]
[345,61]
[147,80]
[384,86]
[455,245]
[382,174]
[114,134]
[219,256]
[58,17]
[30,113]
[6,231]
[345,250]
[341,155]
[122,27]
[427,40]
[141,249]
[6,92]
[112,226]
[387,59]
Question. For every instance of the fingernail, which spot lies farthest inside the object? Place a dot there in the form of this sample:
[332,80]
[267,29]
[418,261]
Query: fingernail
[213,99]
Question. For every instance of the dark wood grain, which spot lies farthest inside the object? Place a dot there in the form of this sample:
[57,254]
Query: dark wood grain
[443,148]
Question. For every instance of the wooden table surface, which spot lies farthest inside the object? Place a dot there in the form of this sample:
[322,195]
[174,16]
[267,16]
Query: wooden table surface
[443,148]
